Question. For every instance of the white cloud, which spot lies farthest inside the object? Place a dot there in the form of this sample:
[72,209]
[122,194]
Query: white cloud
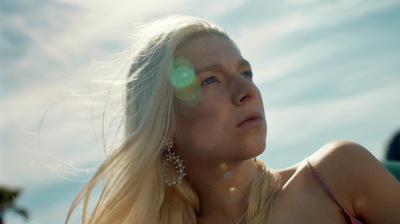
[217,8]
[68,140]
[92,21]
[294,123]
[63,145]
[256,41]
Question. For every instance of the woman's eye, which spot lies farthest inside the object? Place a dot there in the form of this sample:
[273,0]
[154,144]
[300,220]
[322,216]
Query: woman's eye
[209,80]
[248,74]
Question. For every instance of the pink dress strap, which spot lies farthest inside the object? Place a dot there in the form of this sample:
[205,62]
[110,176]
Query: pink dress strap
[349,215]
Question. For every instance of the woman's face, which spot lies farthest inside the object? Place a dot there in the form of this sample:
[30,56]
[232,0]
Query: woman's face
[227,123]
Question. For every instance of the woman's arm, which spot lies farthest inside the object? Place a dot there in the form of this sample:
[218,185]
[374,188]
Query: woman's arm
[373,191]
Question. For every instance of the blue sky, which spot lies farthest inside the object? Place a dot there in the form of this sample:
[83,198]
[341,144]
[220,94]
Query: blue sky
[327,70]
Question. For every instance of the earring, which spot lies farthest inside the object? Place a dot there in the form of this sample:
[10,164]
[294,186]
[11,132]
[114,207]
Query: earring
[171,159]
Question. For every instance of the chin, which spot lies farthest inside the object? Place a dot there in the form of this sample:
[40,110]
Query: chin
[259,151]
[254,149]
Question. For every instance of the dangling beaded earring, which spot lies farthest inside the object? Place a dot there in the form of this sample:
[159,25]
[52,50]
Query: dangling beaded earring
[171,159]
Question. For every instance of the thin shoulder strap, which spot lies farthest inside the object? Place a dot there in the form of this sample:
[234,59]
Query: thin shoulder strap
[351,217]
[322,183]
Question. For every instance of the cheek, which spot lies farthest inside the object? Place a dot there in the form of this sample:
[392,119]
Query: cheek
[199,121]
[204,133]
[201,126]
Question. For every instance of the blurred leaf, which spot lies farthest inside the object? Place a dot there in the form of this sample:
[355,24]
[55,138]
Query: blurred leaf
[7,202]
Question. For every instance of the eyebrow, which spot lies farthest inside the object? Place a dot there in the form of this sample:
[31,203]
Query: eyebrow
[214,67]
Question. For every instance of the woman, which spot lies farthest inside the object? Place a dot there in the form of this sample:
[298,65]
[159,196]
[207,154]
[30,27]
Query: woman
[194,125]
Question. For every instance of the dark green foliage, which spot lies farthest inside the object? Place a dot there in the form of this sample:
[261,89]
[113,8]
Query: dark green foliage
[8,199]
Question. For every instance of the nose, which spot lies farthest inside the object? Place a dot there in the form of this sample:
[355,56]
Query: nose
[246,92]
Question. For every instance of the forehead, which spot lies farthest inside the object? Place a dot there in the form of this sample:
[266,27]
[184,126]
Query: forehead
[209,49]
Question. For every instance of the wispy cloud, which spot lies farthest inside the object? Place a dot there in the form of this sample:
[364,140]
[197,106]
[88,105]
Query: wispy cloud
[48,51]
[299,130]
[317,79]
[265,43]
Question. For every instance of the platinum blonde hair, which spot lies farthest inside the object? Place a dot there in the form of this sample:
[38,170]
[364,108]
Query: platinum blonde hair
[133,189]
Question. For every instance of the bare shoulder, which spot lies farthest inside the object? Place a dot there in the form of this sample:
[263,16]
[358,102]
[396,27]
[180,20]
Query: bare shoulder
[338,153]
[359,180]
[336,162]
[349,163]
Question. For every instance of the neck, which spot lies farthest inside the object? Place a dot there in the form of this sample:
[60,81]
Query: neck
[222,189]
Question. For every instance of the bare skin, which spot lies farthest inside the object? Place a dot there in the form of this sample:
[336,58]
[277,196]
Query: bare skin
[224,131]
[360,183]
[303,200]
[218,151]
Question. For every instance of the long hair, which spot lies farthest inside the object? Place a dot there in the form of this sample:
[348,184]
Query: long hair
[133,189]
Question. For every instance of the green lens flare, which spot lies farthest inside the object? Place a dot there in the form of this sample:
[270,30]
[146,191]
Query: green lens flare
[183,76]
[183,79]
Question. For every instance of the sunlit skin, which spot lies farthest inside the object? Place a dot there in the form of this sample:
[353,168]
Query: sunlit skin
[228,94]
[219,136]
[218,151]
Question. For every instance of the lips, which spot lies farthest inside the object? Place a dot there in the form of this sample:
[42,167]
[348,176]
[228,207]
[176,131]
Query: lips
[250,120]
